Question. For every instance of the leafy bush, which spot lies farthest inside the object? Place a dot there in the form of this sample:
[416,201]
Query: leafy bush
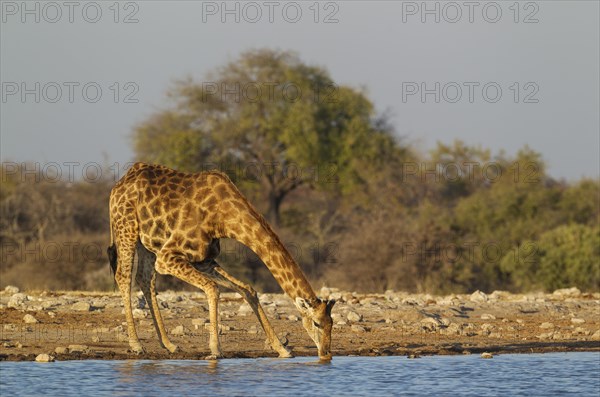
[562,257]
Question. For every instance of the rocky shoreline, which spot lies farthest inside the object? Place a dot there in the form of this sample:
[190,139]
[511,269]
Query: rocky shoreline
[90,325]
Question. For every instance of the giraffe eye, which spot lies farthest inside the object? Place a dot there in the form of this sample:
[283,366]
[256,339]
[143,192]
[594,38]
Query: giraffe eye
[316,324]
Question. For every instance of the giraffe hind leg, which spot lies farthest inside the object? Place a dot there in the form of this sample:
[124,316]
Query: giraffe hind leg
[123,279]
[146,280]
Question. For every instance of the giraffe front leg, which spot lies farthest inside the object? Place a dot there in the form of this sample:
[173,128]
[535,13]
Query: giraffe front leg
[212,295]
[251,297]
[171,262]
[158,321]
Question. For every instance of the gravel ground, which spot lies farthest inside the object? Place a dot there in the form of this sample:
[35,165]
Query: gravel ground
[70,325]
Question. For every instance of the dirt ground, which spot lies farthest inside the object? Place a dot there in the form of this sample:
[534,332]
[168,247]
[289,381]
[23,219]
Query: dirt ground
[84,325]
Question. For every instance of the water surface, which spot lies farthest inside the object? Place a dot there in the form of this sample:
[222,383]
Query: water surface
[554,374]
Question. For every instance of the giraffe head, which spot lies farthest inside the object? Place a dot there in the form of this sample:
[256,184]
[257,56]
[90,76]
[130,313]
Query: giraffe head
[316,319]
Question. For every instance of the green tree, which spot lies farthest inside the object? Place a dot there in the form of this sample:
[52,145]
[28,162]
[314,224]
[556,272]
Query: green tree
[517,206]
[460,169]
[566,256]
[274,124]
[580,203]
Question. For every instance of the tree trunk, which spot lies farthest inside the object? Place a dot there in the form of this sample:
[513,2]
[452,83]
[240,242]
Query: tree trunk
[273,211]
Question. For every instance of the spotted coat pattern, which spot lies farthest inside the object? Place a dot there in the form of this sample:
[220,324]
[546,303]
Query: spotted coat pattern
[174,221]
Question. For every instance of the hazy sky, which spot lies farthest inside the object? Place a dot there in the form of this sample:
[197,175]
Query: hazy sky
[505,74]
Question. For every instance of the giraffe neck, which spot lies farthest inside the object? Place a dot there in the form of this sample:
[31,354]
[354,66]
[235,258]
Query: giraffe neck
[253,231]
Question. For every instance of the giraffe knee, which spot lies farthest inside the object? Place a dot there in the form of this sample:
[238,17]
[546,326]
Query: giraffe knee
[250,294]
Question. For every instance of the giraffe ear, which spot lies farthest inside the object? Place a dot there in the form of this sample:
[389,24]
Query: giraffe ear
[329,306]
[302,304]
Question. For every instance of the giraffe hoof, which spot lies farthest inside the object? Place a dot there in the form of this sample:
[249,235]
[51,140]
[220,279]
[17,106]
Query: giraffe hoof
[213,357]
[137,350]
[172,348]
[286,354]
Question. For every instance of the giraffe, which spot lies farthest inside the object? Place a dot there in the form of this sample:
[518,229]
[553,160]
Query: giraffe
[174,221]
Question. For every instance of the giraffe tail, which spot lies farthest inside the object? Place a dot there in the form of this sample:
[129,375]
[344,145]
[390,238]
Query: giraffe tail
[112,252]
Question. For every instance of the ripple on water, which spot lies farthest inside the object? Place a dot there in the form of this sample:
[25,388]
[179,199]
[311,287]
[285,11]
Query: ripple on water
[514,375]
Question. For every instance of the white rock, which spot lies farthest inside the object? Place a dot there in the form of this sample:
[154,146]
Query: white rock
[487,316]
[198,323]
[487,355]
[11,289]
[78,348]
[139,313]
[281,302]
[411,301]
[581,331]
[336,296]
[293,317]
[451,300]
[61,350]
[44,358]
[478,296]
[29,319]
[578,320]
[453,329]
[573,292]
[17,300]
[81,307]
[358,328]
[245,309]
[499,295]
[354,316]
[546,326]
[178,331]
[325,292]
[430,324]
